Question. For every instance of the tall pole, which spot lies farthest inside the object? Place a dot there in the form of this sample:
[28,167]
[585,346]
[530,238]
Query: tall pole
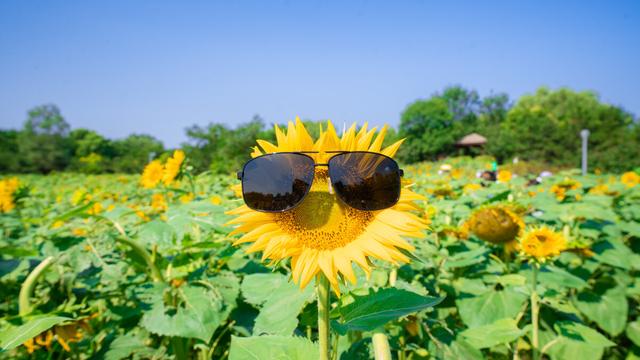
[584,133]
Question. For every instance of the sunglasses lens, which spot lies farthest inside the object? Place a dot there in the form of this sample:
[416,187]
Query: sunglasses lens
[365,181]
[276,182]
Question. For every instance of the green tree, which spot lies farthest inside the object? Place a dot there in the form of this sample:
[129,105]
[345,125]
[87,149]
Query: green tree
[134,152]
[429,129]
[546,126]
[221,149]
[492,113]
[43,143]
[9,154]
[92,153]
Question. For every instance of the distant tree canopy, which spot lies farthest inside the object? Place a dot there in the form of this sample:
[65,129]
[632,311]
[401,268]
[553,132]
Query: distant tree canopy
[432,126]
[543,126]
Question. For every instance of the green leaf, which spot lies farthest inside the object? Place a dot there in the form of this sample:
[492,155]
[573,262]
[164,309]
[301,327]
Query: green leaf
[609,310]
[127,345]
[613,253]
[576,341]
[77,211]
[272,347]
[281,302]
[554,277]
[379,307]
[157,233]
[491,306]
[633,332]
[466,258]
[498,197]
[257,288]
[201,311]
[460,349]
[486,336]
[14,337]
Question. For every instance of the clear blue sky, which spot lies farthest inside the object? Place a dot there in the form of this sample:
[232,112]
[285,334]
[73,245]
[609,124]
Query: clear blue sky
[157,66]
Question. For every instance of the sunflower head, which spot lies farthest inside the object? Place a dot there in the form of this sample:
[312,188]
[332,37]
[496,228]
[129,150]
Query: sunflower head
[152,174]
[322,234]
[542,243]
[504,176]
[630,178]
[8,188]
[172,167]
[497,224]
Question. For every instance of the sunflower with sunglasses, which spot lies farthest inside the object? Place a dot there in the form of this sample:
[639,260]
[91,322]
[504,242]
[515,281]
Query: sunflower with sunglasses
[326,204]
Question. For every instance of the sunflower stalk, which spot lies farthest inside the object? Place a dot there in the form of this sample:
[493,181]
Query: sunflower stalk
[535,313]
[381,348]
[26,290]
[324,303]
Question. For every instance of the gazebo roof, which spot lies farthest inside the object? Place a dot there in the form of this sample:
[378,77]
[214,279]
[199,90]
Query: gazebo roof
[472,139]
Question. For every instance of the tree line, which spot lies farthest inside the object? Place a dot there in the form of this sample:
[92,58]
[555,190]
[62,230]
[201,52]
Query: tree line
[543,126]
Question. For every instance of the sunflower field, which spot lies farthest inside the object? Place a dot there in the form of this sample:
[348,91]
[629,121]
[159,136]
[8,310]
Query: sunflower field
[171,264]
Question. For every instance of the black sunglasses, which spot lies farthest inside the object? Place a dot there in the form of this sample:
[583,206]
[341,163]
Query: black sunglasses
[279,182]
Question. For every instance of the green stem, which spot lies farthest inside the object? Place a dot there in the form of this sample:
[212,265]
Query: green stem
[29,284]
[381,348]
[336,340]
[323,316]
[535,312]
[179,349]
[156,274]
[393,277]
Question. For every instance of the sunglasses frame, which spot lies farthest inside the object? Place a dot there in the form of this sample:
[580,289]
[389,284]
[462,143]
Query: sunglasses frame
[240,174]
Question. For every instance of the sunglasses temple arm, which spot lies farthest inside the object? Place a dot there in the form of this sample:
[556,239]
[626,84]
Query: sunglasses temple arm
[239,175]
[401,172]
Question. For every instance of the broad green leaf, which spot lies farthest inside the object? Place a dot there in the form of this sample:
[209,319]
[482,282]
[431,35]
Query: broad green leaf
[202,310]
[633,332]
[126,345]
[272,347]
[554,277]
[608,310]
[632,228]
[379,307]
[460,349]
[576,341]
[486,336]
[77,211]
[14,337]
[466,258]
[489,307]
[281,302]
[257,288]
[613,253]
[157,233]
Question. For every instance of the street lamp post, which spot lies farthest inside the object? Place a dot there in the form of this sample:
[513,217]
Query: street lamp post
[584,133]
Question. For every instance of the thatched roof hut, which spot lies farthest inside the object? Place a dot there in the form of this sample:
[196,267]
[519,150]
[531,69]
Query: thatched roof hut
[472,139]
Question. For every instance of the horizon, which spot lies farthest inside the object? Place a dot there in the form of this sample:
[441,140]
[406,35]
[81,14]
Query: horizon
[159,67]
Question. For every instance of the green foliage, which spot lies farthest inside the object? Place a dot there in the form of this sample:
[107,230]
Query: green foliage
[13,337]
[43,143]
[375,309]
[168,283]
[272,347]
[280,301]
[501,331]
[221,149]
[134,152]
[542,128]
[546,125]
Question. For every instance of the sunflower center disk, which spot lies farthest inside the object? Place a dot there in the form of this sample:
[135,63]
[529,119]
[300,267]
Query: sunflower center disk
[322,222]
